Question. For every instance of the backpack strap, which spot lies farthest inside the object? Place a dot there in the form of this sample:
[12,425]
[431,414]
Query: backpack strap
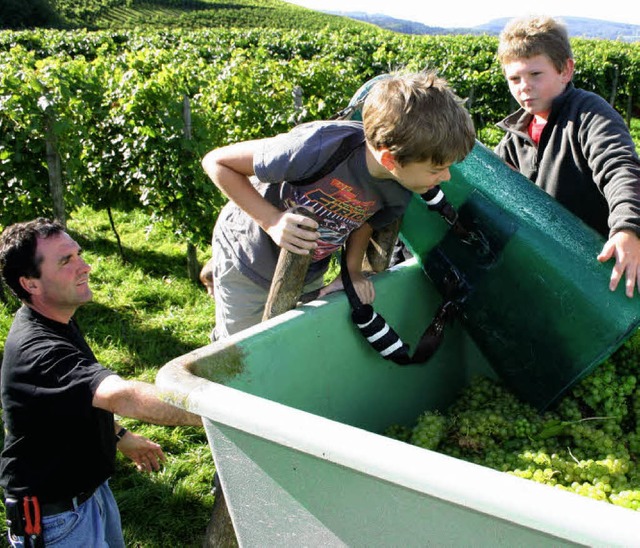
[453,287]
[347,146]
[437,201]
[384,338]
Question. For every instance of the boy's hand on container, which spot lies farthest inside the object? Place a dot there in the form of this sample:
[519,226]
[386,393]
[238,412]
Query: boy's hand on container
[295,232]
[624,246]
[335,285]
[364,287]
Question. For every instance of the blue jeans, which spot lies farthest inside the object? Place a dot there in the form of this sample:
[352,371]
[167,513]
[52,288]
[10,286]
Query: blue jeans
[95,523]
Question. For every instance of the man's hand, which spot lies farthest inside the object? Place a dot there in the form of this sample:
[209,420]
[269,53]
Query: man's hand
[624,246]
[146,454]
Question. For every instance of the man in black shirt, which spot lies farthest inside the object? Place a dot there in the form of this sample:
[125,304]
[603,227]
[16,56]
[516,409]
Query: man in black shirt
[59,402]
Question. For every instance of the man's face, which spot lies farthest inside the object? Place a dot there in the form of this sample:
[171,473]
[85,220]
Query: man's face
[421,176]
[535,83]
[64,280]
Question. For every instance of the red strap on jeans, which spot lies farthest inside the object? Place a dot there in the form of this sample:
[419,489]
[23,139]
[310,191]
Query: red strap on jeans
[32,526]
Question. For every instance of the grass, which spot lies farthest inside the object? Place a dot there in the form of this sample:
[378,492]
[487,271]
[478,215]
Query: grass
[144,313]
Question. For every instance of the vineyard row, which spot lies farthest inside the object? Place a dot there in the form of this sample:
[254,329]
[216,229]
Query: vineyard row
[111,104]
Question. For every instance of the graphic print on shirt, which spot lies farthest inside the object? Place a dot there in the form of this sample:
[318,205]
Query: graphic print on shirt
[339,213]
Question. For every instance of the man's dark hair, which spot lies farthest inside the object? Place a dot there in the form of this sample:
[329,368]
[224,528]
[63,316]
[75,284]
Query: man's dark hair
[18,252]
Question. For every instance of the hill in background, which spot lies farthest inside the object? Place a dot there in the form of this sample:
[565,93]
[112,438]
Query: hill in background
[578,27]
[581,27]
[119,14]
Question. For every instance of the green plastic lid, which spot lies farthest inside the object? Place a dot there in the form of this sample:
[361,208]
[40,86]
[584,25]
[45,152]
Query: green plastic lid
[537,304]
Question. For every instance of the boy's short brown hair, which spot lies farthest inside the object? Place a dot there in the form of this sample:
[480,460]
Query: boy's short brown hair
[418,118]
[530,36]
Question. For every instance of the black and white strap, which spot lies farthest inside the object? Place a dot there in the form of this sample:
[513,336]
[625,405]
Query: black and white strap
[383,338]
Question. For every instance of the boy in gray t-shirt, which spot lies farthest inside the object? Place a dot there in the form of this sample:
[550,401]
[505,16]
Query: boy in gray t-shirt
[414,128]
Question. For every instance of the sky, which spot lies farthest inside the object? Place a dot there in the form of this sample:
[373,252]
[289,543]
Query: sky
[469,13]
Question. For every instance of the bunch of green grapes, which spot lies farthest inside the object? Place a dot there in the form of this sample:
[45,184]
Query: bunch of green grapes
[588,444]
[633,439]
[606,393]
[398,432]
[429,430]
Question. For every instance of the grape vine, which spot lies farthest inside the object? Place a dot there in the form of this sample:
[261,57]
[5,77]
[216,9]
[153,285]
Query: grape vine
[113,101]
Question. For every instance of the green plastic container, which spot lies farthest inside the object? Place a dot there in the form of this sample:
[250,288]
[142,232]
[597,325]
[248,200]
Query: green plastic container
[293,407]
[538,305]
[292,410]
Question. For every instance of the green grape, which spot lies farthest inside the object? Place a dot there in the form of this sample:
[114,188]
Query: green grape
[429,430]
[627,356]
[398,432]
[588,444]
[628,499]
[633,440]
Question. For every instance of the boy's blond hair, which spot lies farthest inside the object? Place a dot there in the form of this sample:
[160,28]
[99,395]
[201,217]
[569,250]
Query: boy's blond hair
[418,118]
[537,35]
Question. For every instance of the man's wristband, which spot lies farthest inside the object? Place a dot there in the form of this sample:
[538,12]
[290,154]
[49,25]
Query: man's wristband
[121,434]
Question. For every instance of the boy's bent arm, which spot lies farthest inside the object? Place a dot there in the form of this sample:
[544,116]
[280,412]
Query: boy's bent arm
[230,168]
[140,400]
[355,249]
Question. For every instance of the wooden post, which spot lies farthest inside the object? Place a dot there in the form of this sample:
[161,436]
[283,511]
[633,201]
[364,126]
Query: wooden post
[288,278]
[614,86]
[220,532]
[298,105]
[3,297]
[186,117]
[55,171]
[380,249]
[193,268]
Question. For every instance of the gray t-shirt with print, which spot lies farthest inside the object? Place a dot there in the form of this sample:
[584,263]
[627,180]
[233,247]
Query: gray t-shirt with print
[343,200]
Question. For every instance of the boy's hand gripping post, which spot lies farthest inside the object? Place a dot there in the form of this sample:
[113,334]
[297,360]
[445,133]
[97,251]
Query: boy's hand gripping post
[288,277]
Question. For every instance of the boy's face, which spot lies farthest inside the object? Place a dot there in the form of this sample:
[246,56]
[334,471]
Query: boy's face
[421,176]
[535,83]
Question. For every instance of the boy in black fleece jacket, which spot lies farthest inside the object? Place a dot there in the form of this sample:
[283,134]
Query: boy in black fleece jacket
[571,142]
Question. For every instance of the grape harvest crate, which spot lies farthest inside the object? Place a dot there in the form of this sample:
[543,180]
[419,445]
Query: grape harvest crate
[293,408]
